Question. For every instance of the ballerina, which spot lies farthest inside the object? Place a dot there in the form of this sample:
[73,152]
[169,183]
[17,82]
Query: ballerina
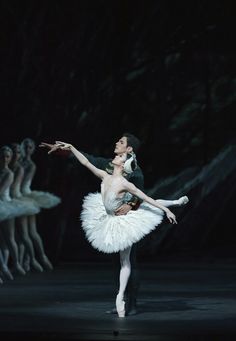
[25,243]
[107,232]
[13,208]
[43,199]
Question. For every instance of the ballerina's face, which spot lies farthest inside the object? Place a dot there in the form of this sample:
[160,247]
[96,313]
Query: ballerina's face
[5,157]
[29,148]
[16,152]
[119,159]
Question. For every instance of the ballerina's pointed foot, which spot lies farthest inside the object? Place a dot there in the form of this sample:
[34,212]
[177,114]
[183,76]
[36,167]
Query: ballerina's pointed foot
[19,270]
[182,200]
[36,266]
[7,273]
[46,263]
[120,306]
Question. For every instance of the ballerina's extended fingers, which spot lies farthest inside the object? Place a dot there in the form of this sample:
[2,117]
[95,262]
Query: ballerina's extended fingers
[53,149]
[45,145]
[62,145]
[172,218]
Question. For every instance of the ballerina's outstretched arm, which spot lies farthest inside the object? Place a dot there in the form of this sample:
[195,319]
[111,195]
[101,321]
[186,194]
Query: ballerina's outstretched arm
[81,158]
[131,188]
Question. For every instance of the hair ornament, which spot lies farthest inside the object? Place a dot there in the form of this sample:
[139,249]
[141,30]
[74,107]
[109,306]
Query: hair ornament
[131,163]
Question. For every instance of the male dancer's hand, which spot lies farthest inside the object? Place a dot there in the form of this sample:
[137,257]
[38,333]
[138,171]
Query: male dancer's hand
[122,210]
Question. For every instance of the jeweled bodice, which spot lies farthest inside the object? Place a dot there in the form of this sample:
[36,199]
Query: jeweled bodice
[109,191]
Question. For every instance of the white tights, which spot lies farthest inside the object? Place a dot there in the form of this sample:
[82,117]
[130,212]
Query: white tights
[125,268]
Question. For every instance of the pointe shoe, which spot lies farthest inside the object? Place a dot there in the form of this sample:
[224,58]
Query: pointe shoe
[7,273]
[120,306]
[36,266]
[182,201]
[18,269]
[46,263]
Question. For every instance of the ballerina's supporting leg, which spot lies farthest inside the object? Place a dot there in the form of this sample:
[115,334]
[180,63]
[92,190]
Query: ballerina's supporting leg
[27,242]
[125,271]
[38,243]
[8,229]
[4,248]
[21,248]
[1,264]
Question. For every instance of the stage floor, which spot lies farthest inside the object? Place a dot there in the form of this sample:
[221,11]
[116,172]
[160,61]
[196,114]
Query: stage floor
[177,301]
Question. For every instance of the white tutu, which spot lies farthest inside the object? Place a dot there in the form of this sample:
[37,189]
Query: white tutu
[31,206]
[16,208]
[110,233]
[4,213]
[44,199]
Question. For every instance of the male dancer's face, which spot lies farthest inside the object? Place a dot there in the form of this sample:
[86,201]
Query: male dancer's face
[121,146]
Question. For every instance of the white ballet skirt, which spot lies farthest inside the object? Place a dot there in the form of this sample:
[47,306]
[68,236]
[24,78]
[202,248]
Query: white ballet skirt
[31,205]
[109,233]
[42,199]
[3,211]
[13,208]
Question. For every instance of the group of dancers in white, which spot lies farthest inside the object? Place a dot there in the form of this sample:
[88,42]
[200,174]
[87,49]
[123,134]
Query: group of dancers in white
[21,246]
[111,233]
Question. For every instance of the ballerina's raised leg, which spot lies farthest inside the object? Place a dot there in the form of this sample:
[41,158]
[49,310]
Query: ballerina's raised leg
[172,203]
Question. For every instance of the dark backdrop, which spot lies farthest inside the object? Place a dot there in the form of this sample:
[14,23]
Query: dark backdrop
[86,71]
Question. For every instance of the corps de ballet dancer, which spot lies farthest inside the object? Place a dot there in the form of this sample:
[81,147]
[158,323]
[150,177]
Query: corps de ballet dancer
[44,200]
[13,208]
[108,232]
[22,226]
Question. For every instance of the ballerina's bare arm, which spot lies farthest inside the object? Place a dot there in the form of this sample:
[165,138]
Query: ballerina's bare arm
[131,188]
[82,159]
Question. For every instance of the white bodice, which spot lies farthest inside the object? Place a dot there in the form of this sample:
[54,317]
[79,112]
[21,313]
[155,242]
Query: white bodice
[15,191]
[110,197]
[25,187]
[111,202]
[5,195]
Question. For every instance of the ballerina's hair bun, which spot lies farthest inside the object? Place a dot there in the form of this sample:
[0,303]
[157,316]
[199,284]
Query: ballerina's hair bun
[4,149]
[131,163]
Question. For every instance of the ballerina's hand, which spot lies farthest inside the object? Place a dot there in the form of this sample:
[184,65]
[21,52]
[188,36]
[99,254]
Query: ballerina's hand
[171,217]
[51,147]
[63,145]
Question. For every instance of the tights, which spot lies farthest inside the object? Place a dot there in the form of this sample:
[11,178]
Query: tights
[125,270]
[128,279]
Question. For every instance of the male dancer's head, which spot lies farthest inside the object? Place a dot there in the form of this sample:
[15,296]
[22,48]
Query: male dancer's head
[126,144]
